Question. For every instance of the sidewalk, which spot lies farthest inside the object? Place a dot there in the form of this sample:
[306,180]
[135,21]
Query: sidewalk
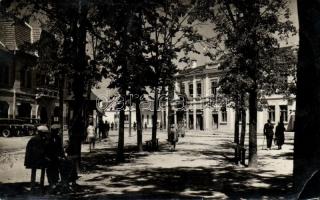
[201,167]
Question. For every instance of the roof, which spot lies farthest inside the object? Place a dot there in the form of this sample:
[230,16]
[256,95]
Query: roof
[200,70]
[13,34]
[214,68]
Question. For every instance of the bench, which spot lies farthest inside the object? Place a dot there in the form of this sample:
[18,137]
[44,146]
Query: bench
[239,154]
[149,145]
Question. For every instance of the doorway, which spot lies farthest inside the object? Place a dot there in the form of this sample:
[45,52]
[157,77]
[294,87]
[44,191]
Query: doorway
[199,122]
[215,124]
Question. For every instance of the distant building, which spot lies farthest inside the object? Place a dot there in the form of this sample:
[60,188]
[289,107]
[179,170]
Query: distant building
[202,111]
[110,112]
[201,108]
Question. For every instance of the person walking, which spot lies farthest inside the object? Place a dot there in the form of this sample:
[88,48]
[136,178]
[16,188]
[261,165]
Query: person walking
[112,126]
[173,137]
[134,126]
[91,136]
[279,134]
[182,130]
[268,132]
[107,129]
[101,132]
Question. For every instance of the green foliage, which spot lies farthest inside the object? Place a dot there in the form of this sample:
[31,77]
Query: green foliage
[249,33]
[139,40]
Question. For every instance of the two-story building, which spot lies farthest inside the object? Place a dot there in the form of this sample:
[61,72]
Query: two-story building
[203,111]
[25,92]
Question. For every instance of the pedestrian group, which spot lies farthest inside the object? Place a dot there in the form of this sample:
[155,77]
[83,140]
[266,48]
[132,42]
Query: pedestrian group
[279,134]
[45,152]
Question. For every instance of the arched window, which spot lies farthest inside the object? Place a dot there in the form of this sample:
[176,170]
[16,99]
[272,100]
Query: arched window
[22,78]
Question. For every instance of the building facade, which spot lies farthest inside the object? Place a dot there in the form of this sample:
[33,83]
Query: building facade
[25,92]
[199,85]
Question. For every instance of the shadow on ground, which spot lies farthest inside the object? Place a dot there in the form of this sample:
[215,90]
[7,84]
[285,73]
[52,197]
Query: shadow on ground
[232,182]
[182,182]
[185,182]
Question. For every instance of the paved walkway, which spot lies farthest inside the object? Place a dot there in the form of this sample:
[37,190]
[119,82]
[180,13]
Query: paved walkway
[201,167]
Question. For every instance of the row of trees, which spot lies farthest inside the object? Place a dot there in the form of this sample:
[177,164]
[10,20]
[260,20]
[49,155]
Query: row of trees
[247,43]
[248,36]
[135,43]
[136,39]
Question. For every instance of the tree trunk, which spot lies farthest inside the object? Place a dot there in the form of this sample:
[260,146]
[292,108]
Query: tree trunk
[120,150]
[243,126]
[236,133]
[307,129]
[154,119]
[77,129]
[253,150]
[61,101]
[170,97]
[139,126]
[236,123]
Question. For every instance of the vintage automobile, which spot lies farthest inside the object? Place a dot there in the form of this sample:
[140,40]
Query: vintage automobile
[17,127]
[10,127]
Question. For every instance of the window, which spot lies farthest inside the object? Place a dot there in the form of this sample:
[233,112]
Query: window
[147,119]
[126,118]
[29,79]
[214,86]
[182,88]
[199,89]
[271,113]
[224,116]
[284,113]
[142,118]
[191,90]
[22,78]
[4,74]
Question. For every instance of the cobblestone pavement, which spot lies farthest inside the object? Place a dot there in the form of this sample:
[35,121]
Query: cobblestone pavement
[201,167]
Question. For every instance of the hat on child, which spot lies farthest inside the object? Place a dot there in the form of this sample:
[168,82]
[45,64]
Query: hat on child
[43,128]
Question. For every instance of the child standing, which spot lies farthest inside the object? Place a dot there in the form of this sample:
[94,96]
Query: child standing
[91,136]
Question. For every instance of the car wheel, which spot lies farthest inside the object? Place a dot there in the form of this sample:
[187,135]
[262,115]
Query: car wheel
[6,133]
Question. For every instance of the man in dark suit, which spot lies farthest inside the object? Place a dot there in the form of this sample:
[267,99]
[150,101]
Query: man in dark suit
[268,132]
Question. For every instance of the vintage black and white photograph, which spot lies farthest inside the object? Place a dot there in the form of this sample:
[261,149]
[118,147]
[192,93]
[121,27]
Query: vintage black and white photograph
[159,99]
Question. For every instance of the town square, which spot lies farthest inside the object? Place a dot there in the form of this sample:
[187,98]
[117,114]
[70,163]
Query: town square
[159,99]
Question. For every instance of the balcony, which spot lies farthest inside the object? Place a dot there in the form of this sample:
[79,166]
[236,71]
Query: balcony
[47,92]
